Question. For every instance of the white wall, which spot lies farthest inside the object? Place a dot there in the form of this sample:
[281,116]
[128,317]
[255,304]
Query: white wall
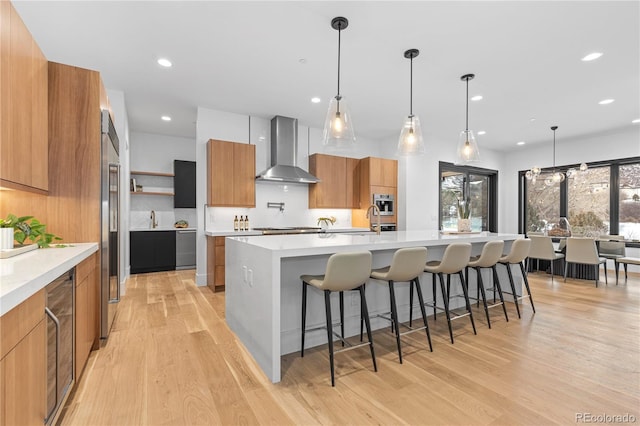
[418,182]
[212,124]
[121,123]
[155,153]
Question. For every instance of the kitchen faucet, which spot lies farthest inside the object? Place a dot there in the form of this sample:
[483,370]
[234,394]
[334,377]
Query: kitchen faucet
[375,209]
[154,223]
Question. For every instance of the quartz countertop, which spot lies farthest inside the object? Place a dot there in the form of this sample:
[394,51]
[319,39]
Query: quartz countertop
[324,243]
[162,228]
[24,275]
[232,233]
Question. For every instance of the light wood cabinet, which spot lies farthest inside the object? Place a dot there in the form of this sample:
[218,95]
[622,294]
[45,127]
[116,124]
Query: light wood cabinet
[231,174]
[23,363]
[215,263]
[379,171]
[24,153]
[338,182]
[86,311]
[377,176]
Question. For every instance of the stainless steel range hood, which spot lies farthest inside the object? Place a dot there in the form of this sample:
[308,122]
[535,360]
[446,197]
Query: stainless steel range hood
[284,150]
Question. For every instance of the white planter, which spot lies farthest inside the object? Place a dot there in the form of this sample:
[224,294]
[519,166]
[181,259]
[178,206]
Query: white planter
[464,225]
[6,238]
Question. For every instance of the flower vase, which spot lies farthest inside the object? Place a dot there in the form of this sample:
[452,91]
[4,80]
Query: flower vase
[6,238]
[464,225]
[324,226]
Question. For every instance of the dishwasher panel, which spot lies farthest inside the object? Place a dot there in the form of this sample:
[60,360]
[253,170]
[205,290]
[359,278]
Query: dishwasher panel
[186,249]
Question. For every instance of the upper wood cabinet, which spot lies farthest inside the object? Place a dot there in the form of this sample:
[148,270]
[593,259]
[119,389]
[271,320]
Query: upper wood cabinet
[380,171]
[336,188]
[24,153]
[231,174]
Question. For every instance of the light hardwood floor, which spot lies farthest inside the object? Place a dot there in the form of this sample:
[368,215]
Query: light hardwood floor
[171,359]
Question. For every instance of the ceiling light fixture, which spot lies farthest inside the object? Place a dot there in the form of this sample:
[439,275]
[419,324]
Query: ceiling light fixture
[315,100]
[410,141]
[482,132]
[556,177]
[467,146]
[606,101]
[165,62]
[592,56]
[636,121]
[520,143]
[476,98]
[338,127]
[165,118]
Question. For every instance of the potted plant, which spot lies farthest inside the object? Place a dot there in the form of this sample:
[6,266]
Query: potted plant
[24,228]
[464,213]
[324,222]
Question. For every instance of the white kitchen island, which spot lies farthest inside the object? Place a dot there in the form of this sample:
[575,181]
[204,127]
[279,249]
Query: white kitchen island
[263,288]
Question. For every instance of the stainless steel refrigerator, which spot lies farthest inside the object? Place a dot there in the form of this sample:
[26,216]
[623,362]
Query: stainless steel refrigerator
[110,217]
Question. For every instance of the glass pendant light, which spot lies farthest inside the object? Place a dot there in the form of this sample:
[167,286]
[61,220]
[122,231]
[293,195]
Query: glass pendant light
[556,177]
[338,127]
[467,146]
[410,142]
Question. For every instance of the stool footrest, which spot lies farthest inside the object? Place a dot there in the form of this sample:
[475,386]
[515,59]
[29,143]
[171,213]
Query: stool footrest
[453,316]
[350,346]
[412,329]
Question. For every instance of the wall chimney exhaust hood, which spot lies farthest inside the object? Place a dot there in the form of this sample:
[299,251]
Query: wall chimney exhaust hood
[284,150]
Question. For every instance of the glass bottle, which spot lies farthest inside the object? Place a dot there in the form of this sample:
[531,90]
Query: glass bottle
[246,223]
[241,223]
[235,223]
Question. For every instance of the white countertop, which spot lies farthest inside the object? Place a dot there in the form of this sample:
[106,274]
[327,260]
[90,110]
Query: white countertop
[232,233]
[24,275]
[314,244]
[162,228]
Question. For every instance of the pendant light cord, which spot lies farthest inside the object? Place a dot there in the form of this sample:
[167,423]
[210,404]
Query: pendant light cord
[554,151]
[339,31]
[467,116]
[411,89]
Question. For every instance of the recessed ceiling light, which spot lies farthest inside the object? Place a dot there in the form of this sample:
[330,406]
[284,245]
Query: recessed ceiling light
[532,119]
[606,101]
[165,62]
[592,56]
[302,60]
[476,98]
[636,121]
[166,118]
[482,132]
[315,100]
[520,143]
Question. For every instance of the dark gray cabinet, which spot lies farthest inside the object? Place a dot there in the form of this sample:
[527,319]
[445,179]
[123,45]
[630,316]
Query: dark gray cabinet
[184,184]
[153,251]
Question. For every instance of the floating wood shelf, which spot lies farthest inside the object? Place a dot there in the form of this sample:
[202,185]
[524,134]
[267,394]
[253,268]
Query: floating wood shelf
[152,193]
[152,174]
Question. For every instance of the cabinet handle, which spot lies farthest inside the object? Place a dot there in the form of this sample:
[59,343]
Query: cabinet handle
[57,323]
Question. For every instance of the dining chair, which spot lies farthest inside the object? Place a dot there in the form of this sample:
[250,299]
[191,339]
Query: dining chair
[583,251]
[612,247]
[542,248]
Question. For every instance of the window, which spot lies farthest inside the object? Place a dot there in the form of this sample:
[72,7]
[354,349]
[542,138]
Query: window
[589,201]
[629,201]
[479,185]
[604,199]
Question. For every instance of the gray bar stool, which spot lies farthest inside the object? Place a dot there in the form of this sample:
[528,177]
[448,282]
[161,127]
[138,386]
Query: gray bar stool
[519,252]
[454,260]
[491,253]
[345,271]
[407,265]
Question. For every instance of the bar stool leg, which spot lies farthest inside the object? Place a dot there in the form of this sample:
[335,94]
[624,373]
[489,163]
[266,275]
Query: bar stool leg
[445,298]
[304,316]
[434,296]
[365,314]
[496,284]
[465,290]
[513,288]
[526,283]
[411,304]
[327,305]
[394,317]
[424,312]
[342,315]
[484,295]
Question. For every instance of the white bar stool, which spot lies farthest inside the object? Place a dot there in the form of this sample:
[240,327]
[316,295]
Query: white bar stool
[519,252]
[345,271]
[407,265]
[491,253]
[454,260]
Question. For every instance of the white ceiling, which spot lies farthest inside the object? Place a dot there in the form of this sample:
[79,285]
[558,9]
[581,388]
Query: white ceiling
[247,57]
